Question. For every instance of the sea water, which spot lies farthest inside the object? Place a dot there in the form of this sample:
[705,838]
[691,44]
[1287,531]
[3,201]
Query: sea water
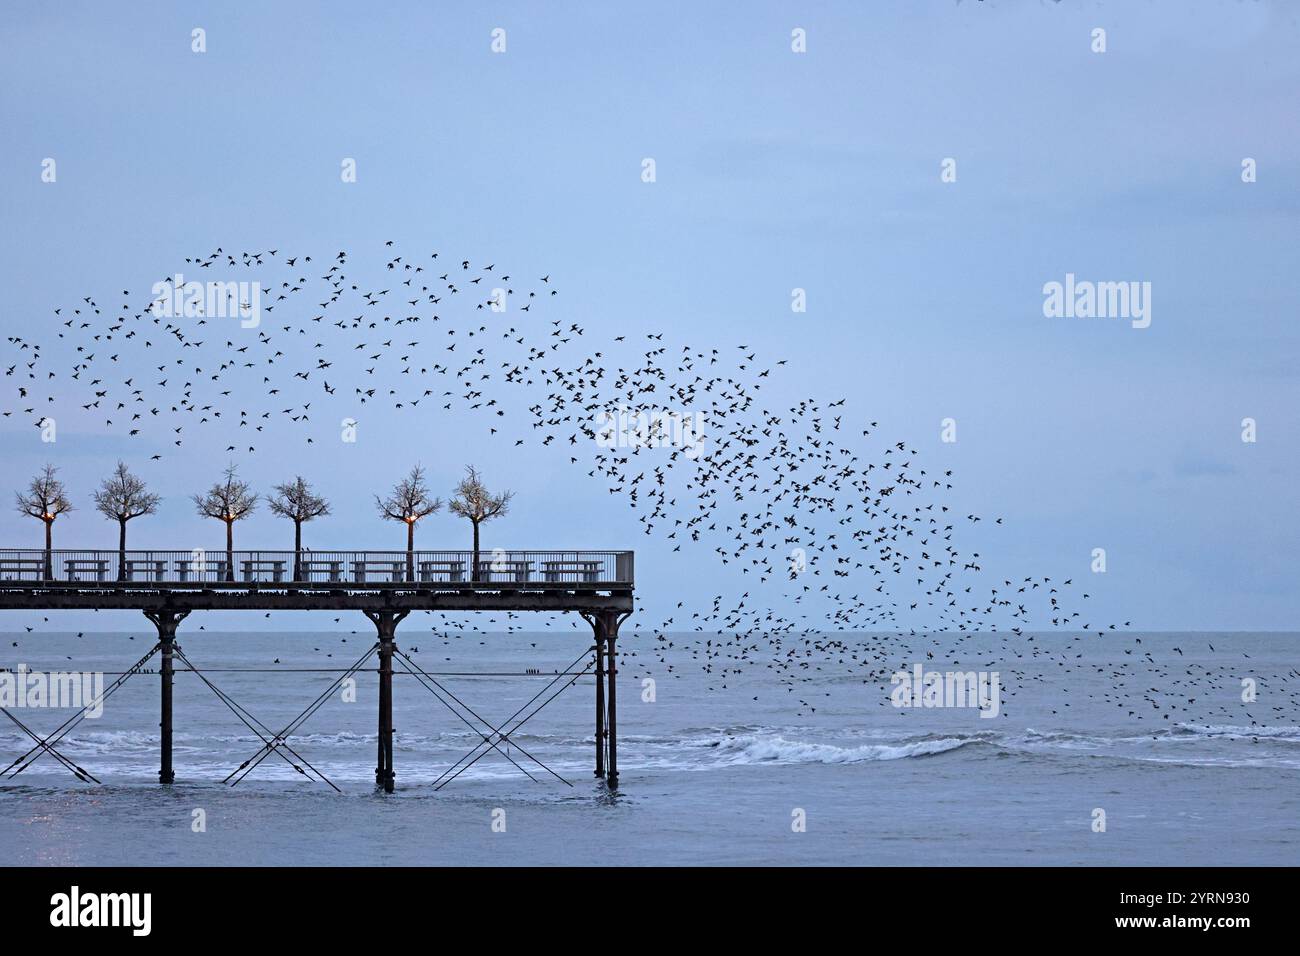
[1096,756]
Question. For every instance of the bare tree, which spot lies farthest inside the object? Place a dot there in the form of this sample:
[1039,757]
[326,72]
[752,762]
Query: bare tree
[473,501]
[296,501]
[409,501]
[229,500]
[46,499]
[121,497]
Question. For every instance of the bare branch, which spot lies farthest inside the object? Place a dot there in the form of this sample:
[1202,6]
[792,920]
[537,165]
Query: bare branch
[295,500]
[45,497]
[409,500]
[472,500]
[122,496]
[229,500]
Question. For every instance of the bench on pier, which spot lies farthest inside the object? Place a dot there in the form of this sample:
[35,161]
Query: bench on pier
[22,566]
[152,569]
[77,566]
[396,570]
[454,569]
[201,568]
[555,572]
[511,570]
[253,567]
[332,569]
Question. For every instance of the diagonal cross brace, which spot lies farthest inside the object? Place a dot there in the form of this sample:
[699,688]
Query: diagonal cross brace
[46,745]
[274,742]
[80,773]
[505,735]
[248,720]
[278,740]
[271,742]
[496,735]
[427,681]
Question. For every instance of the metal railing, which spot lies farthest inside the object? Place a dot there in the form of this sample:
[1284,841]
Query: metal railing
[198,568]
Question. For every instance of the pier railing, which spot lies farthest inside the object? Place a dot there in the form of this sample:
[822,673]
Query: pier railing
[497,569]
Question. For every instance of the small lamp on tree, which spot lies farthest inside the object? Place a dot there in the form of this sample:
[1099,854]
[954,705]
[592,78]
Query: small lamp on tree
[46,499]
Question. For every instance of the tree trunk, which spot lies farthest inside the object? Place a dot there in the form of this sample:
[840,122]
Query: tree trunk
[477,575]
[297,550]
[410,550]
[121,549]
[49,547]
[230,551]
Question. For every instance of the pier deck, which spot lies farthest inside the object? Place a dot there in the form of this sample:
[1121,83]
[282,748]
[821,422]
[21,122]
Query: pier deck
[386,586]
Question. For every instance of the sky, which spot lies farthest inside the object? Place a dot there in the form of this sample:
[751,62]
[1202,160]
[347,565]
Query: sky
[775,170]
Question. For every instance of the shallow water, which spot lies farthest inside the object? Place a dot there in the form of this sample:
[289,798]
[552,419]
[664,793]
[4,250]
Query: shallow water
[1185,772]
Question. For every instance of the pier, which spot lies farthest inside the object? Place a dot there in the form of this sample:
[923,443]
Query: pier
[385,586]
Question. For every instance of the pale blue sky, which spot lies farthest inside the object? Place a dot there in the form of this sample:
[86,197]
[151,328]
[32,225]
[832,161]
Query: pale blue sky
[775,171]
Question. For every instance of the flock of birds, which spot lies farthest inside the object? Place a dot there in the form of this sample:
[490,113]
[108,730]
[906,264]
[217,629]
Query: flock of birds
[845,545]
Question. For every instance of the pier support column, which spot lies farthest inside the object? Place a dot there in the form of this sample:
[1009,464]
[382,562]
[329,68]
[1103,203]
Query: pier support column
[386,624]
[166,622]
[611,670]
[600,703]
[605,624]
[599,634]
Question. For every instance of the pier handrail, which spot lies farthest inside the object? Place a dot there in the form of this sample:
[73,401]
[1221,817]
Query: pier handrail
[497,569]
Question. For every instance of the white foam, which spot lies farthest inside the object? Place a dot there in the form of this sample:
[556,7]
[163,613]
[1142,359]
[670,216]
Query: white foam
[775,749]
[1236,730]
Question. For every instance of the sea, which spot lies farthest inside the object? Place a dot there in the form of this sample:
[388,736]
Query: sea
[1180,749]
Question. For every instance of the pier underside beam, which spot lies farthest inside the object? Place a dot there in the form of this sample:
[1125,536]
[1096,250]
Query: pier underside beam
[264,597]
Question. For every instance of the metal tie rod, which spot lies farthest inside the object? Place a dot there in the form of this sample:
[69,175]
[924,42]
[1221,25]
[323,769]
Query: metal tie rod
[249,720]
